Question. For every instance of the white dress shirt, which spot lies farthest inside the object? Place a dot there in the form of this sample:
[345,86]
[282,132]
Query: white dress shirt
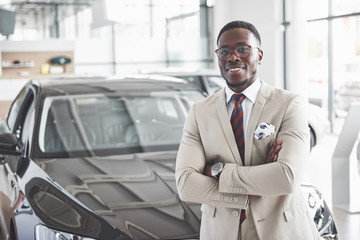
[248,102]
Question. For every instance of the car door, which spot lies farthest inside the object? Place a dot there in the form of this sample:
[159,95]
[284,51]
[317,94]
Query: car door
[19,122]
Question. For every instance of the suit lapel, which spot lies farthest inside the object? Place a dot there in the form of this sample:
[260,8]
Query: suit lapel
[226,126]
[254,120]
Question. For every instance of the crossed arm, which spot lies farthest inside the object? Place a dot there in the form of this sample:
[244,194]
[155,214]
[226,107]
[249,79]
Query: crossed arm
[280,174]
[271,157]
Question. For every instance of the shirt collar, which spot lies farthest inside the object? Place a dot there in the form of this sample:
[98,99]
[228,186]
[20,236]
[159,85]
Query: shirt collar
[250,92]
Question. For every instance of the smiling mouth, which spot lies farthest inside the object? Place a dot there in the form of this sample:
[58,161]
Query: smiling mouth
[236,69]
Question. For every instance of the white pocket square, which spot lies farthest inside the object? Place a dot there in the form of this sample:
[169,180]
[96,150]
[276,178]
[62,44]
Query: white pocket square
[264,130]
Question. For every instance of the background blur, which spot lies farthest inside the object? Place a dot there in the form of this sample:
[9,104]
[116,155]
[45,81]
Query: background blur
[310,47]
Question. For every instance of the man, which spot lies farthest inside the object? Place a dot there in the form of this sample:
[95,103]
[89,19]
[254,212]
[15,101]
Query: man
[247,178]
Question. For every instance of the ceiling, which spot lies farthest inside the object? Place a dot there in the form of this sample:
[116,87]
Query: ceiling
[30,12]
[34,6]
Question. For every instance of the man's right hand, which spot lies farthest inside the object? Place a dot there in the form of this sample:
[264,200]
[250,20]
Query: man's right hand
[273,154]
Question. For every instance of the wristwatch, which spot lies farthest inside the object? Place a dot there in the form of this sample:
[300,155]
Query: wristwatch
[216,169]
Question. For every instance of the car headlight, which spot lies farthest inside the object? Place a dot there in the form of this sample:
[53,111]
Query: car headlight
[44,233]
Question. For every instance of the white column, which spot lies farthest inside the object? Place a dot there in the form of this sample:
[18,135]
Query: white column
[297,47]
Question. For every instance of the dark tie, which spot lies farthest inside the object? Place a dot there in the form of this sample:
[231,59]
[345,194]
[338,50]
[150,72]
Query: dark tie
[237,118]
[237,124]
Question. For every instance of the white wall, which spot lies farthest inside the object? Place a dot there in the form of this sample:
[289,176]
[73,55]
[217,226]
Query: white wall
[48,45]
[267,16]
[9,88]
[93,57]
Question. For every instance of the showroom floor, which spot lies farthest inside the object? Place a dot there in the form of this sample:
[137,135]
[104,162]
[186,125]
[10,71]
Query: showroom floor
[319,174]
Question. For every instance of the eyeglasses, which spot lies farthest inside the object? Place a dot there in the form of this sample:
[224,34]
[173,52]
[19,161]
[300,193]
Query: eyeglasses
[241,51]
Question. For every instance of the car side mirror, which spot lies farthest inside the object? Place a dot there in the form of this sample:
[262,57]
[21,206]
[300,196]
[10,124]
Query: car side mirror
[10,145]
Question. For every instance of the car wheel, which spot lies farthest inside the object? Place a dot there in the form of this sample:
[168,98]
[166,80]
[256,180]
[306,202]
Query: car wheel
[312,139]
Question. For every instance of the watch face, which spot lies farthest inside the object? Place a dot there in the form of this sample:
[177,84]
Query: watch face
[216,169]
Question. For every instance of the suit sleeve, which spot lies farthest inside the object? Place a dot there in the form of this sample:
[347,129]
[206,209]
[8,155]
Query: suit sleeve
[285,175]
[192,185]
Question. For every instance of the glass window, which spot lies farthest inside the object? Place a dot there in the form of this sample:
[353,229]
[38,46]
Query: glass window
[341,7]
[69,25]
[345,54]
[317,64]
[84,21]
[97,124]
[19,114]
[16,108]
[317,9]
[27,126]
[346,67]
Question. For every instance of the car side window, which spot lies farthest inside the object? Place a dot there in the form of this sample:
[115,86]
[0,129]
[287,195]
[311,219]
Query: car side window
[15,109]
[27,124]
[19,110]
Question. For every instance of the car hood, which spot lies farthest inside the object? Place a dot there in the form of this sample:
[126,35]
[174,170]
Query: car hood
[135,193]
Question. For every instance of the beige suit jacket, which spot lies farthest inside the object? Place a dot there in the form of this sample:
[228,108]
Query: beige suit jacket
[280,213]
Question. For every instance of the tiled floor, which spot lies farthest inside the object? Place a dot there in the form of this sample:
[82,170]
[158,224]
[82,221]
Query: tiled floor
[319,173]
[348,224]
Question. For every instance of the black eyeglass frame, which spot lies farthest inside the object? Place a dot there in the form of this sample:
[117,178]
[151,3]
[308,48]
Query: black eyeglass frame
[233,50]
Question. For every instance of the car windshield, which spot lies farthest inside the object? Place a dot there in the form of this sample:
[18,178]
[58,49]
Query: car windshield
[90,125]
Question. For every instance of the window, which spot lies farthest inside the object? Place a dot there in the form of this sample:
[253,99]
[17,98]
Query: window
[96,124]
[15,109]
[19,110]
[341,7]
[344,58]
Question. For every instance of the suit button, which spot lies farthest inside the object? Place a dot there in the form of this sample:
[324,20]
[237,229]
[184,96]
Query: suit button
[235,213]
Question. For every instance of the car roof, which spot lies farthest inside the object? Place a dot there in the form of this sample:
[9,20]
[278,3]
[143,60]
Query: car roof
[133,83]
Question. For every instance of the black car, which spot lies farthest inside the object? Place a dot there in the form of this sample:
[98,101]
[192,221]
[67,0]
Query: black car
[95,159]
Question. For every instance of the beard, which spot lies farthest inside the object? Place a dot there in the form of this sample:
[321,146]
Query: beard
[230,85]
[237,85]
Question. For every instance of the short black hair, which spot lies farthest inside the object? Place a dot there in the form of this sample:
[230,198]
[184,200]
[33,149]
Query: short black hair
[240,24]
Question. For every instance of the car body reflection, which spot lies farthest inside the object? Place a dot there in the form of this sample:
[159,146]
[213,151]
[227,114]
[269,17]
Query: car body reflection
[95,160]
